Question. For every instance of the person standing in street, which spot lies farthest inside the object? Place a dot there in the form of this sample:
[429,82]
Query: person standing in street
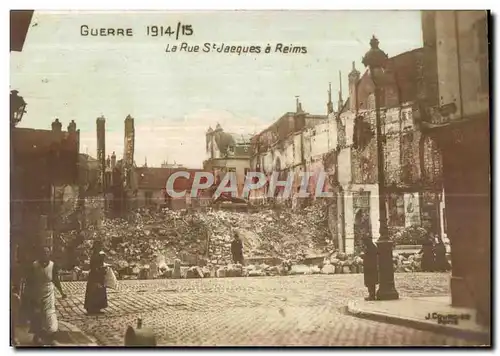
[370,267]
[237,249]
[40,283]
[427,263]
[442,264]
[96,297]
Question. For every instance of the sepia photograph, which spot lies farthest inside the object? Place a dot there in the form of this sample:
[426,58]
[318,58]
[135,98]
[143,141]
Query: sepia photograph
[258,178]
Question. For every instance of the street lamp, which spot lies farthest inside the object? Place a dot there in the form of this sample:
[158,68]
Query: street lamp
[375,59]
[17,108]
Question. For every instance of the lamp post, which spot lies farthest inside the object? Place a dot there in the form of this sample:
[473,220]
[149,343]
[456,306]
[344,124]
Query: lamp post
[375,59]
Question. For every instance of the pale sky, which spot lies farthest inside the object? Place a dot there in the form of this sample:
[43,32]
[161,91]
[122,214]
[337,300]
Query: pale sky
[174,97]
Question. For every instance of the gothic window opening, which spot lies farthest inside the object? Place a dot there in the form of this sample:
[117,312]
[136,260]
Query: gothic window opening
[148,197]
[362,223]
[371,102]
[362,133]
[407,161]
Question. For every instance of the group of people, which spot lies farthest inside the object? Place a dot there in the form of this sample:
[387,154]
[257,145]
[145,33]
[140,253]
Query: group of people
[434,259]
[38,293]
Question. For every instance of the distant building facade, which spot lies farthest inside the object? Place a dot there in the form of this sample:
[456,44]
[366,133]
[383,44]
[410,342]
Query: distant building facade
[227,152]
[151,189]
[286,147]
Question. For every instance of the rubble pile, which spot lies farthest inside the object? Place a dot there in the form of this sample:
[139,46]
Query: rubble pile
[200,238]
[409,263]
[268,233]
[152,241]
[153,237]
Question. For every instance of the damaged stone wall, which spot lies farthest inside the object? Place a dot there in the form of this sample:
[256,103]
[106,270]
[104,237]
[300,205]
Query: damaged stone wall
[294,154]
[413,164]
[410,158]
[75,210]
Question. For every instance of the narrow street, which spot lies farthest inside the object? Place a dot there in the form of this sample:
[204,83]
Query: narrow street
[274,311]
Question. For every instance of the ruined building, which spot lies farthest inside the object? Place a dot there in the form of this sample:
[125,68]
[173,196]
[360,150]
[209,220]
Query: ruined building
[286,147]
[413,164]
[44,161]
[344,147]
[121,193]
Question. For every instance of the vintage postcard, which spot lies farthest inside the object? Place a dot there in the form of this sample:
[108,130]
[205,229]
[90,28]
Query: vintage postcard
[250,178]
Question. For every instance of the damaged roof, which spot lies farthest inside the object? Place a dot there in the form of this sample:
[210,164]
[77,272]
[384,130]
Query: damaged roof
[154,178]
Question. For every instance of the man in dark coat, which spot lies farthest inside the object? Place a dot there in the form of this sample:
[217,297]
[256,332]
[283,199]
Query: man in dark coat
[427,264]
[442,264]
[370,267]
[237,249]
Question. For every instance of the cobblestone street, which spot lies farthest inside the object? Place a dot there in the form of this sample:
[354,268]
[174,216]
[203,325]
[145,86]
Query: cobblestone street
[275,311]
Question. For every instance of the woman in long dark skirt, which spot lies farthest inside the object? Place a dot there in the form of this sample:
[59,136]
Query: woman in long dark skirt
[96,298]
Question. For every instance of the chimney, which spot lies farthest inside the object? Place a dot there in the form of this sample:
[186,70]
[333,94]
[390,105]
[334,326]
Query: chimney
[113,160]
[329,104]
[72,126]
[129,145]
[353,90]
[340,104]
[101,148]
[56,126]
[298,109]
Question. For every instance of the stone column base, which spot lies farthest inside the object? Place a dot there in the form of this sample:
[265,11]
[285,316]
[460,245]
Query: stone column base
[461,294]
[473,296]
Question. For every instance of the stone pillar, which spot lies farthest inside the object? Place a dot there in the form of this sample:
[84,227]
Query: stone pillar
[349,222]
[341,221]
[468,214]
